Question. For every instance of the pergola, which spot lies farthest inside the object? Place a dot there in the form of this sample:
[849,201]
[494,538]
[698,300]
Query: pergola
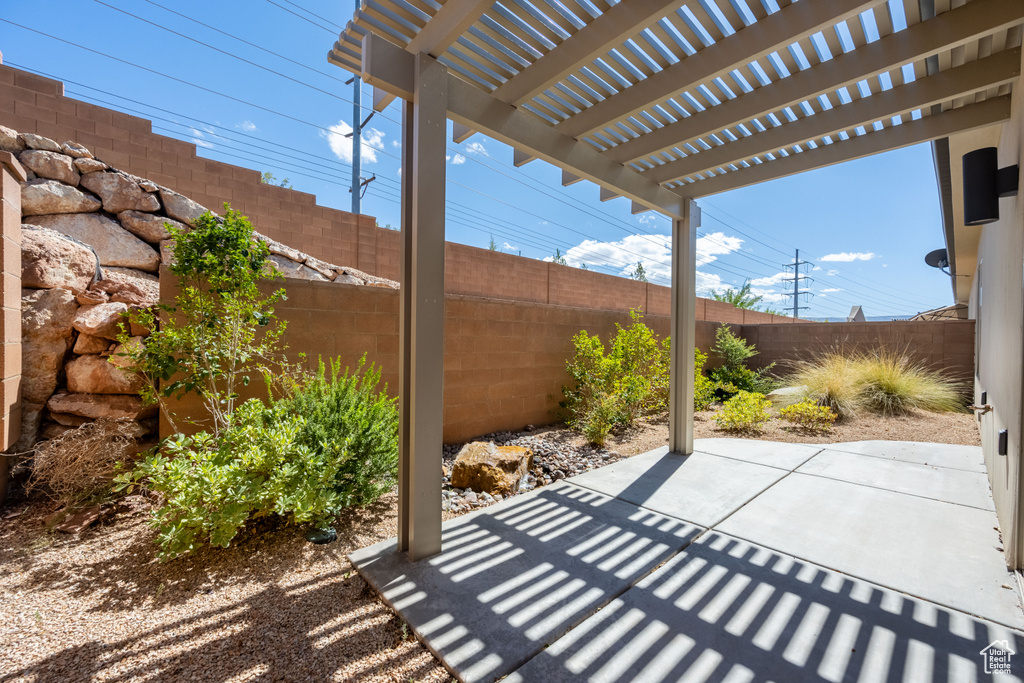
[661,103]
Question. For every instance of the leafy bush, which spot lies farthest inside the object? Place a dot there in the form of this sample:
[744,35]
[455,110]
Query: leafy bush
[333,442]
[808,415]
[355,424]
[746,411]
[221,329]
[703,388]
[734,376]
[884,381]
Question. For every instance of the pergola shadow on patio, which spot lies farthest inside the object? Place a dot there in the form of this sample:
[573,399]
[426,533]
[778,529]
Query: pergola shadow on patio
[659,102]
[744,561]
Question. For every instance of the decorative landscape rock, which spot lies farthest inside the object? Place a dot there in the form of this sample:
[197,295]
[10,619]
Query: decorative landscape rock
[114,245]
[96,375]
[103,320]
[147,226]
[129,286]
[31,418]
[90,166]
[95,406]
[485,467]
[44,196]
[10,141]
[50,165]
[180,207]
[322,267]
[296,270]
[46,330]
[33,141]
[73,149]
[119,192]
[281,249]
[87,344]
[50,260]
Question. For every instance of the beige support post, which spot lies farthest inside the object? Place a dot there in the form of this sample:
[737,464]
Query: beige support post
[421,321]
[684,285]
[10,345]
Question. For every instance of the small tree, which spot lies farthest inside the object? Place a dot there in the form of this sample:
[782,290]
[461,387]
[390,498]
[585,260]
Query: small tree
[740,298]
[493,246]
[559,258]
[221,329]
[639,274]
[268,179]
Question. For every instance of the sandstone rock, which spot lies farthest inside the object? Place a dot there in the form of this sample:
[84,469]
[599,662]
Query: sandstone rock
[73,149]
[68,420]
[33,141]
[102,320]
[119,192]
[137,329]
[371,280]
[291,269]
[276,247]
[31,418]
[97,375]
[96,406]
[90,165]
[492,469]
[180,207]
[148,185]
[44,196]
[52,430]
[50,260]
[114,245]
[346,279]
[129,286]
[91,297]
[46,330]
[51,165]
[120,357]
[10,141]
[322,267]
[87,344]
[147,226]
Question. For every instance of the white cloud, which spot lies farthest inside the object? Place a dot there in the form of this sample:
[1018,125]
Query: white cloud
[769,281]
[707,283]
[832,289]
[816,268]
[848,256]
[832,272]
[373,140]
[476,148]
[396,144]
[649,218]
[198,138]
[715,244]
[458,160]
[509,247]
[247,125]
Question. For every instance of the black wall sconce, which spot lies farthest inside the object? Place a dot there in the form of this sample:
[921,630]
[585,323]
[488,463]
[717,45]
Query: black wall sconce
[984,184]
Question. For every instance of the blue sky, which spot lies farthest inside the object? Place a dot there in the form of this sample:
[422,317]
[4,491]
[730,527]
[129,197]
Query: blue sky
[273,103]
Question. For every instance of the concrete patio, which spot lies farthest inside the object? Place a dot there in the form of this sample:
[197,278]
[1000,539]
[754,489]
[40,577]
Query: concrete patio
[746,561]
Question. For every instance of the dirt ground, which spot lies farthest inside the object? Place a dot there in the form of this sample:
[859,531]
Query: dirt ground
[272,607]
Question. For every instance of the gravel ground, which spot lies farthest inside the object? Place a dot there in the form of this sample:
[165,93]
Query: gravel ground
[272,607]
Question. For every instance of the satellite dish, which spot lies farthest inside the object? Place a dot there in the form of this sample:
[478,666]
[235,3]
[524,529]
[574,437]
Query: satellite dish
[937,259]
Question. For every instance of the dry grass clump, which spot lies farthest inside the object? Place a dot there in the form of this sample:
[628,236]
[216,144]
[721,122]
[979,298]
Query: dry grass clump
[883,381]
[79,464]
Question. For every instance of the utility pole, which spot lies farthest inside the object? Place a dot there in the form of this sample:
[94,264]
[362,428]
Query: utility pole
[357,139]
[796,280]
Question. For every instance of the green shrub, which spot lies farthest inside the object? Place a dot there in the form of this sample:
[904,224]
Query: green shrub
[353,423]
[601,418]
[703,388]
[746,411]
[809,415]
[734,376]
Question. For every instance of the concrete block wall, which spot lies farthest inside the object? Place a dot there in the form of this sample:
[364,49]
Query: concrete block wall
[11,174]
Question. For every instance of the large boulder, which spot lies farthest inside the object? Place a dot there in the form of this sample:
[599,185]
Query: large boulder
[50,260]
[119,192]
[43,196]
[46,332]
[95,406]
[484,467]
[50,165]
[73,149]
[33,141]
[297,271]
[129,286]
[147,226]
[114,245]
[102,320]
[276,247]
[97,375]
[180,207]
[86,344]
[10,141]
[90,165]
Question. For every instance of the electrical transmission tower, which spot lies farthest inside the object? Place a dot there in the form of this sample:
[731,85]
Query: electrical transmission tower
[797,280]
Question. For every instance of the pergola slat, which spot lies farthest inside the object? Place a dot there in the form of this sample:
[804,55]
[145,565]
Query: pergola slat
[923,130]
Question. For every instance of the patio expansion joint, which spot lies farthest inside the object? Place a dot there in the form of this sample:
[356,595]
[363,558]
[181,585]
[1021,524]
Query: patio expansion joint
[882,488]
[832,447]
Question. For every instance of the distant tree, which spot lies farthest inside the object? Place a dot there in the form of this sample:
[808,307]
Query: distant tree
[583,266]
[268,179]
[740,298]
[559,258]
[639,273]
[493,246]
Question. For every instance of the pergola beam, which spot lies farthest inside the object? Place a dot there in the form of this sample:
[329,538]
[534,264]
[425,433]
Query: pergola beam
[1001,68]
[594,40]
[771,34]
[388,67]
[946,31]
[944,124]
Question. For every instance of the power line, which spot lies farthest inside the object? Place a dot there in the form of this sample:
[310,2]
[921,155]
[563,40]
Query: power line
[308,21]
